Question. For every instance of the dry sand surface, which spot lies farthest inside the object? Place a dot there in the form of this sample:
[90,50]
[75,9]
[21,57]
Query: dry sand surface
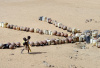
[72,13]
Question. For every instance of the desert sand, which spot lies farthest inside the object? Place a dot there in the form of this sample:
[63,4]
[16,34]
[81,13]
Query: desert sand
[72,13]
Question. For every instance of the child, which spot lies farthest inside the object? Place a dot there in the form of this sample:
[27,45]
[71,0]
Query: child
[26,44]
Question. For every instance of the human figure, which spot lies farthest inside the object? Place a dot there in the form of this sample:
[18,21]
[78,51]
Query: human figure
[26,44]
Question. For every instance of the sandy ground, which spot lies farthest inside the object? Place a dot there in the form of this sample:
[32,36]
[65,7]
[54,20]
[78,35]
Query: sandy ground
[72,13]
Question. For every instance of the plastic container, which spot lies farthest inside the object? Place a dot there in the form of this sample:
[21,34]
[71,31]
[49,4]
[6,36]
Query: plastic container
[87,38]
[47,32]
[0,24]
[69,34]
[5,25]
[14,27]
[62,34]
[36,43]
[11,26]
[63,41]
[11,46]
[65,35]
[36,30]
[50,32]
[49,20]
[74,30]
[41,32]
[45,42]
[69,29]
[77,35]
[53,22]
[60,41]
[94,34]
[64,27]
[57,41]
[78,31]
[53,41]
[18,44]
[8,26]
[31,43]
[31,30]
[59,25]
[74,39]
[93,41]
[1,45]
[58,34]
[98,44]
[49,42]
[40,18]
[54,32]
[45,19]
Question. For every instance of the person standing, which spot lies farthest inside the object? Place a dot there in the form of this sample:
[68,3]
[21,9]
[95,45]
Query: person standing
[26,44]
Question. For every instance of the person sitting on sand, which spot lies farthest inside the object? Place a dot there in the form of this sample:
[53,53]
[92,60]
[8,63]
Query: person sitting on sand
[26,44]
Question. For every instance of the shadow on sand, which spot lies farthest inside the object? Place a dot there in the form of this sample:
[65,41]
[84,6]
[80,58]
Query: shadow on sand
[37,52]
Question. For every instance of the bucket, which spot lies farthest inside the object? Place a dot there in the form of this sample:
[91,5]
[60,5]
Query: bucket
[77,35]
[17,28]
[58,34]
[45,19]
[60,41]
[66,40]
[70,39]
[93,41]
[64,27]
[74,30]
[98,39]
[56,24]
[53,22]
[49,42]
[99,35]
[78,31]
[81,39]
[59,25]
[70,34]
[98,44]
[74,39]
[1,45]
[54,32]
[36,30]
[47,32]
[0,24]
[69,29]
[53,41]
[83,36]
[49,20]
[5,25]
[31,30]
[62,34]
[50,32]
[94,34]
[57,41]
[40,18]
[41,32]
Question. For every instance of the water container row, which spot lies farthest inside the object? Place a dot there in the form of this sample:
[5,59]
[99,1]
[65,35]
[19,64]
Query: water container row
[10,45]
[59,25]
